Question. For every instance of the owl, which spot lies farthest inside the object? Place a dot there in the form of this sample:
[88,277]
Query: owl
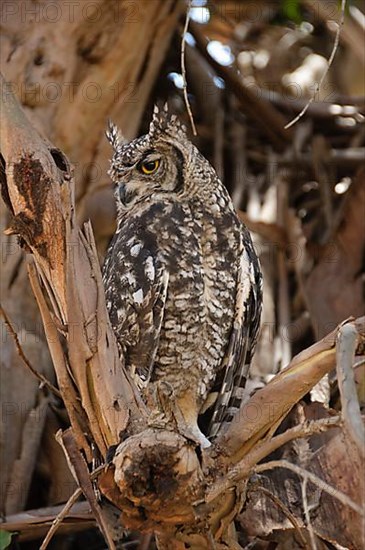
[182,280]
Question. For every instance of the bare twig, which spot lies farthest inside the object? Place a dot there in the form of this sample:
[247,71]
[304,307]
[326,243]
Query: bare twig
[303,487]
[244,467]
[183,69]
[352,34]
[59,518]
[345,350]
[65,510]
[81,472]
[339,495]
[43,380]
[330,61]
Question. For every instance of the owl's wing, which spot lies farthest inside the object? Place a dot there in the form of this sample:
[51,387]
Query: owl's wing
[232,377]
[136,284]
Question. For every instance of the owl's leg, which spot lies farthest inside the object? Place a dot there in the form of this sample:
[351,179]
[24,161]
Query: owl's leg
[187,418]
[181,409]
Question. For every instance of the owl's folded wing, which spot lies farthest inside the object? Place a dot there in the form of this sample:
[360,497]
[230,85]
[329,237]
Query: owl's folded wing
[232,377]
[135,289]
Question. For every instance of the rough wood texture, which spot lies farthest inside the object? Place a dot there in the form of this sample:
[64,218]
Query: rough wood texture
[34,524]
[44,190]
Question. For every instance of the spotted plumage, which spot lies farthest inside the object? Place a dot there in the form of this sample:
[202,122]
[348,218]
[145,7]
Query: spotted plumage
[182,281]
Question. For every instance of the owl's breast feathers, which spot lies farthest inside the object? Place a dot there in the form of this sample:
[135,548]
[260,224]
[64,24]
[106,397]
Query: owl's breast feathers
[183,293]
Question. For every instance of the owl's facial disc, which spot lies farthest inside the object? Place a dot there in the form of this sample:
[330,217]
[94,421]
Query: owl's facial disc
[139,178]
[151,171]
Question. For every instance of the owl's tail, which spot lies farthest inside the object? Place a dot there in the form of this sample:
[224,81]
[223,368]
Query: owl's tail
[230,398]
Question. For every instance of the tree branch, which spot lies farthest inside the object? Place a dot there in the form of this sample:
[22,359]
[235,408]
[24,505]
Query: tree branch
[346,344]
[40,189]
[329,63]
[268,406]
[245,467]
[183,69]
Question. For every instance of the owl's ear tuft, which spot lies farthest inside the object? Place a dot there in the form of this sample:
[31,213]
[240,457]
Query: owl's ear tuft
[114,136]
[163,122]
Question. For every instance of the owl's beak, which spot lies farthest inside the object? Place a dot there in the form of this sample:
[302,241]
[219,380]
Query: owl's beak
[122,193]
[125,194]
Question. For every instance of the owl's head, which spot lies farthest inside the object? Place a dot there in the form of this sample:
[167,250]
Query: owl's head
[158,162]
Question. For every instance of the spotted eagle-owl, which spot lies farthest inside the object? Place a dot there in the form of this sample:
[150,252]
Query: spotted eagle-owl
[182,280]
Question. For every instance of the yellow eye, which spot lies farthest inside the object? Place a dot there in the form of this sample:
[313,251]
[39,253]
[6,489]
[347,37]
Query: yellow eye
[149,166]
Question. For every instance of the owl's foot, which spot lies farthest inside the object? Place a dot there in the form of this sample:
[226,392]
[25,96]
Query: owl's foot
[186,414]
[176,413]
[194,433]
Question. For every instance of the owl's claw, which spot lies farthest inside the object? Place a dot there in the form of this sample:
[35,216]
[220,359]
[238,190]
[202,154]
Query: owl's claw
[193,433]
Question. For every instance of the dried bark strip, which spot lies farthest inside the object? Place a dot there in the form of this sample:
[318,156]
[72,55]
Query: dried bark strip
[63,260]
[34,524]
